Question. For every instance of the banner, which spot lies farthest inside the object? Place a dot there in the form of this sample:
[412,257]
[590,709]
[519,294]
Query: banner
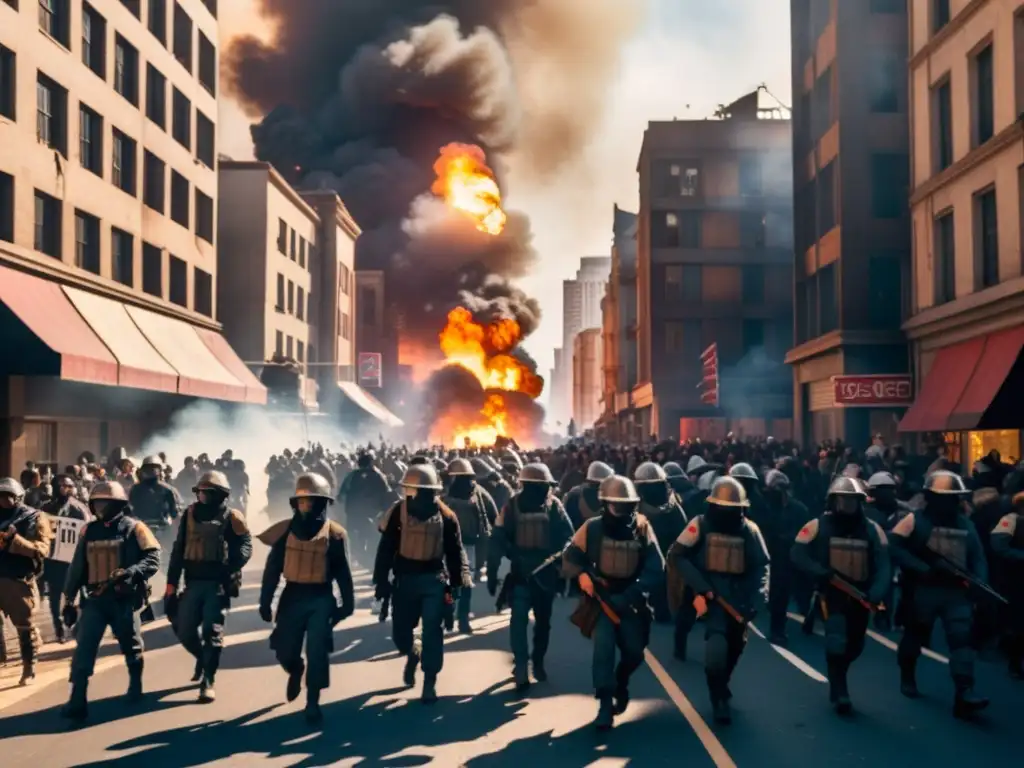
[887,390]
[370,374]
[65,538]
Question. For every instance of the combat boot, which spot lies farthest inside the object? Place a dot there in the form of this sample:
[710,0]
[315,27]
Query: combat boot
[207,694]
[27,645]
[77,706]
[966,702]
[294,687]
[720,696]
[621,691]
[539,673]
[197,673]
[605,711]
[411,662]
[521,678]
[908,680]
[839,693]
[28,674]
[134,693]
[313,713]
[429,695]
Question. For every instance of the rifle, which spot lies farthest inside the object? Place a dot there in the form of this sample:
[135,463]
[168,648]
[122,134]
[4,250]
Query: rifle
[727,607]
[600,597]
[851,591]
[969,582]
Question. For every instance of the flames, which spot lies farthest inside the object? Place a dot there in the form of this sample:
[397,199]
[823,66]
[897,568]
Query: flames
[466,183]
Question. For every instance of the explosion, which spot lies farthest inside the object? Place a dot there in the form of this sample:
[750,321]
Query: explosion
[466,183]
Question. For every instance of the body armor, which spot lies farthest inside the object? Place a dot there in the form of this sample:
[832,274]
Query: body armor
[102,559]
[619,559]
[849,558]
[421,540]
[725,554]
[305,562]
[204,541]
[585,511]
[468,514]
[532,530]
[951,543]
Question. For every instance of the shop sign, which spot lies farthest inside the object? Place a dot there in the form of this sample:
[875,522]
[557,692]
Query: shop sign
[878,390]
[370,374]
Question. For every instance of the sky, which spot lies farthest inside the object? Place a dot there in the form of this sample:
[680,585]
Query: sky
[689,57]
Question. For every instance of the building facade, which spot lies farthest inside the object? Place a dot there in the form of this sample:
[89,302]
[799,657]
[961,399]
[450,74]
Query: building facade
[586,378]
[967,322]
[851,171]
[108,207]
[581,309]
[714,265]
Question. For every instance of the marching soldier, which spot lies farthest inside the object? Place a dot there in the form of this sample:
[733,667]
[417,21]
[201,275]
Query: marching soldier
[475,509]
[662,509]
[153,501]
[582,502]
[1007,540]
[531,529]
[311,552]
[618,564]
[722,557]
[847,554]
[929,545]
[491,481]
[25,537]
[421,542]
[785,517]
[212,547]
[65,506]
[115,558]
[364,494]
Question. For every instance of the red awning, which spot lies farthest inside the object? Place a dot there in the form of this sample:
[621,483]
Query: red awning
[48,314]
[998,356]
[254,391]
[943,387]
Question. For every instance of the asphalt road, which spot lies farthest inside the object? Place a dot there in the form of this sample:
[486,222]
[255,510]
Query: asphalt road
[781,711]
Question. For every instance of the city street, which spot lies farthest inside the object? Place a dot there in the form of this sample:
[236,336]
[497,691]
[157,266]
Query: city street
[781,712]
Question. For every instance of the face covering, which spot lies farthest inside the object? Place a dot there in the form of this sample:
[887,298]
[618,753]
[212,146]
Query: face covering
[725,518]
[461,486]
[533,496]
[885,498]
[618,519]
[655,494]
[943,507]
[847,505]
[105,510]
[423,504]
[7,501]
[775,497]
[211,499]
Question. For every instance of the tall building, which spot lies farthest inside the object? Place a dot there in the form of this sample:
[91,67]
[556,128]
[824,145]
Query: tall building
[586,378]
[851,171]
[108,222]
[714,265]
[967,139]
[618,325]
[581,309]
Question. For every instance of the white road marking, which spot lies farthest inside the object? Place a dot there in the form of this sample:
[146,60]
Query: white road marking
[793,659]
[883,640]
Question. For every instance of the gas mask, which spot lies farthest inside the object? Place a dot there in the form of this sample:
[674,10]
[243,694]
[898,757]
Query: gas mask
[210,497]
[105,509]
[618,518]
[149,475]
[942,506]
[775,497]
[461,486]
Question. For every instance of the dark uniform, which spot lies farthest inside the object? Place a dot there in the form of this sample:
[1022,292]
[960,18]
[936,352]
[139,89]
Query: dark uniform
[365,493]
[422,543]
[65,505]
[617,562]
[153,501]
[311,552]
[721,556]
[530,529]
[844,544]
[115,558]
[784,519]
[922,543]
[492,482]
[582,502]
[1007,541]
[212,547]
[475,509]
[25,538]
[663,511]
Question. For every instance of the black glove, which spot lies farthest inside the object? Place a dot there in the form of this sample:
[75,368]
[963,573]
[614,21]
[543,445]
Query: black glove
[69,615]
[339,614]
[492,586]
[171,608]
[266,614]
[383,591]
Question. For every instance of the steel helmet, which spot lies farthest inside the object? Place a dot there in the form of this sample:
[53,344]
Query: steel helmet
[728,492]
[598,471]
[460,468]
[743,471]
[882,480]
[776,480]
[481,468]
[423,476]
[152,461]
[707,480]
[312,486]
[440,465]
[212,480]
[944,482]
[847,486]
[511,459]
[673,470]
[649,472]
[694,465]
[12,487]
[108,492]
[536,473]
[419,460]
[617,489]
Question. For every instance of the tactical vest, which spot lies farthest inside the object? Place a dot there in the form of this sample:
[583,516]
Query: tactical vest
[204,541]
[725,554]
[619,559]
[951,543]
[469,516]
[586,513]
[421,540]
[849,558]
[305,562]
[533,529]
[102,558]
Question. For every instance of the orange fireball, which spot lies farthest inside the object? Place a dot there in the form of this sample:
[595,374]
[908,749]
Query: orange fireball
[466,183]
[483,351]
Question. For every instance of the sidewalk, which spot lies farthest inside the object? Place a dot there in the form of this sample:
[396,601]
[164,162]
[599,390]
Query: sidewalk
[52,655]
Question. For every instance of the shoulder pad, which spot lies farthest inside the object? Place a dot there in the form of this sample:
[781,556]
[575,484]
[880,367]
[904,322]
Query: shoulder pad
[1008,525]
[447,511]
[905,527]
[336,531]
[882,538]
[691,533]
[275,533]
[642,523]
[238,524]
[579,539]
[752,526]
[809,532]
[145,537]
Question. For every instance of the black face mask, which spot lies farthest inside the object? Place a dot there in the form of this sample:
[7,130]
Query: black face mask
[942,507]
[725,518]
[655,494]
[533,496]
[106,511]
[424,504]
[885,499]
[774,497]
[461,486]
[619,520]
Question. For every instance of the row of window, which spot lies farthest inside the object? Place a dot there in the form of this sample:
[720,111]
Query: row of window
[292,299]
[721,229]
[686,339]
[696,284]
[288,346]
[297,252]
[682,178]
[985,245]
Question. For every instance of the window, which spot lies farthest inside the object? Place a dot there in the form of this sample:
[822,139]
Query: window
[180,199]
[292,253]
[178,293]
[291,298]
[346,277]
[683,338]
[752,229]
[346,326]
[300,351]
[183,37]
[692,286]
[753,335]
[156,18]
[54,18]
[207,64]
[689,229]
[135,6]
[673,283]
[87,242]
[367,305]
[986,240]
[983,98]
[828,297]
[890,185]
[282,236]
[289,349]
[7,83]
[156,96]
[753,283]
[94,41]
[205,140]
[126,70]
[278,344]
[122,172]
[302,251]
[181,128]
[279,304]
[152,270]
[674,341]
[681,180]
[51,114]
[203,292]
[48,221]
[6,207]
[887,73]
[945,259]
[122,256]
[664,229]
[90,140]
[940,14]
[300,304]
[826,192]
[211,6]
[154,182]
[885,292]
[942,122]
[750,176]
[204,217]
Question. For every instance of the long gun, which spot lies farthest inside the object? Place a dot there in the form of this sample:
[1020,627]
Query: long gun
[851,591]
[602,599]
[969,581]
[736,615]
[702,587]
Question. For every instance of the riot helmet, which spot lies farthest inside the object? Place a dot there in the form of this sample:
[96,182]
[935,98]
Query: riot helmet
[536,473]
[107,500]
[461,468]
[598,471]
[421,477]
[618,496]
[366,458]
[212,488]
[695,465]
[743,471]
[672,469]
[11,493]
[707,480]
[846,495]
[942,482]
[649,472]
[728,492]
[481,468]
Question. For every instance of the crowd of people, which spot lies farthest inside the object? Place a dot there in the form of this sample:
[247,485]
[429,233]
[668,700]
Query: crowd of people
[670,533]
